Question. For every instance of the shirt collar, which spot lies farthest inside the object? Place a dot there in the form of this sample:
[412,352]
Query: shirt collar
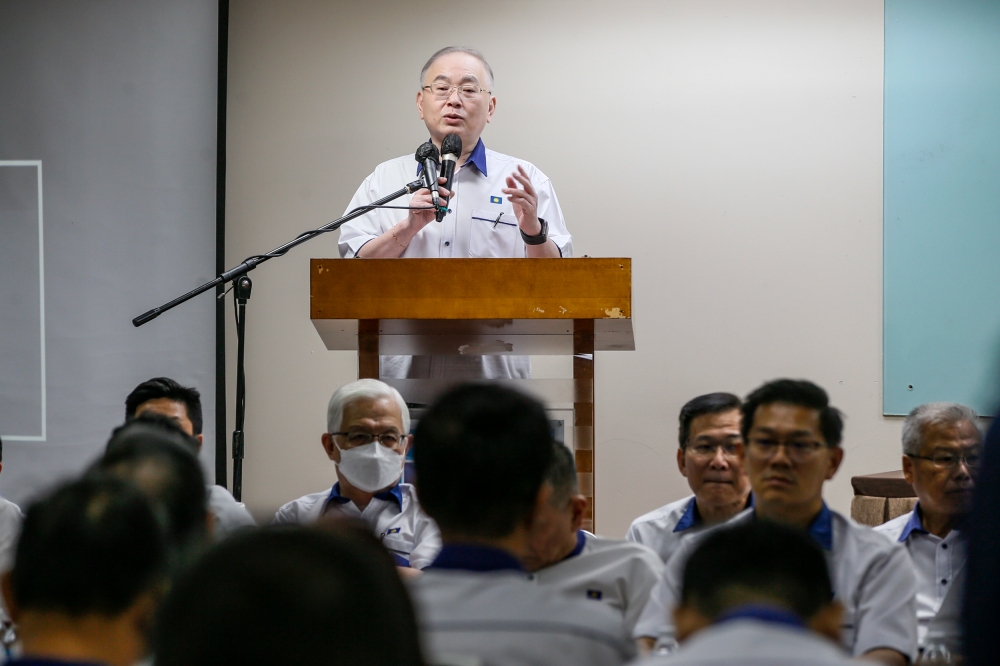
[473,557]
[477,158]
[581,541]
[821,528]
[763,613]
[914,524]
[394,494]
[692,518]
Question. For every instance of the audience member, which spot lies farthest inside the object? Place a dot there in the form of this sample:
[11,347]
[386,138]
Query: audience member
[10,525]
[711,457]
[757,593]
[564,557]
[941,449]
[160,463]
[482,453]
[290,595]
[793,447]
[88,575]
[368,426]
[163,395]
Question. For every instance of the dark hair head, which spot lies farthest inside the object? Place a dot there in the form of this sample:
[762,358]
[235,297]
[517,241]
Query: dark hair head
[92,546]
[562,474]
[753,563]
[162,422]
[162,464]
[290,595]
[164,387]
[800,393]
[710,403]
[481,453]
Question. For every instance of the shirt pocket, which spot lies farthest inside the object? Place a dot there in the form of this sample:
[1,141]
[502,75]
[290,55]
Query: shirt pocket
[493,234]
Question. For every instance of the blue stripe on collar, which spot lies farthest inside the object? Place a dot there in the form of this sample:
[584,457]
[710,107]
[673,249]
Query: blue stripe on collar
[581,541]
[914,524]
[821,528]
[473,557]
[477,158]
[770,614]
[690,518]
[394,494]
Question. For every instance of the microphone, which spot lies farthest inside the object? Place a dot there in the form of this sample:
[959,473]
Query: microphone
[451,150]
[427,155]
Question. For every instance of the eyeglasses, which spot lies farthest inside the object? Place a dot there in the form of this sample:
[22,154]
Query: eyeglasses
[442,90]
[798,450]
[707,450]
[950,461]
[360,438]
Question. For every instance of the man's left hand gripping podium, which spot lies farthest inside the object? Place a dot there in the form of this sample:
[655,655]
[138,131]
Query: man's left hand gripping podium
[482,306]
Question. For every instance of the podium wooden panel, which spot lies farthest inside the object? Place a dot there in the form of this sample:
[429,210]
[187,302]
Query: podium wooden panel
[481,306]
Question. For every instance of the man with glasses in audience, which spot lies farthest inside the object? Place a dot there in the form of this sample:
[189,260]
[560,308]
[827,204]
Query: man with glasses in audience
[711,457]
[500,206]
[368,426]
[793,438]
[941,449]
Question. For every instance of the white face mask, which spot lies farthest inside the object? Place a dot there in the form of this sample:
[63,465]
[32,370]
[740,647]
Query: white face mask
[371,467]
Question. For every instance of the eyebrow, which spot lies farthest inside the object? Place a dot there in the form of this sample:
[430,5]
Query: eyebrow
[771,431]
[468,78]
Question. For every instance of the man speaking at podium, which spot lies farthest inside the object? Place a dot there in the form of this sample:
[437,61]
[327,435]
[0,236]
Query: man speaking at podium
[499,206]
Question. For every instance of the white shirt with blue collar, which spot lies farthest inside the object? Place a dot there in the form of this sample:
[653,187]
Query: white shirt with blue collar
[395,516]
[481,224]
[871,577]
[940,568]
[617,573]
[476,605]
[662,529]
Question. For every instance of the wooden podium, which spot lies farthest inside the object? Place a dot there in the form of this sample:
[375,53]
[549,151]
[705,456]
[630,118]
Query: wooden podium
[482,306]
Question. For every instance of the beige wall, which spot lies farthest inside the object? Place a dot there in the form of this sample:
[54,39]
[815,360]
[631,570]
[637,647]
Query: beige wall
[732,148]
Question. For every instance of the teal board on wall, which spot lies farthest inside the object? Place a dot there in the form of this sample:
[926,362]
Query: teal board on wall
[941,273]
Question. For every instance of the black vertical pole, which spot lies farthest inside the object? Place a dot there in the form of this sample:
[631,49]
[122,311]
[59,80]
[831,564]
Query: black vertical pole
[220,247]
[241,292]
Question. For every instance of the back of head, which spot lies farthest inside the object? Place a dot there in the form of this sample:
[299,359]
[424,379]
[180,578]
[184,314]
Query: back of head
[562,474]
[164,387]
[163,466]
[290,595]
[756,563]
[91,547]
[710,403]
[800,393]
[481,453]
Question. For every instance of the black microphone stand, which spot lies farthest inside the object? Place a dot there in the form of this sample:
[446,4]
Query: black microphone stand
[241,290]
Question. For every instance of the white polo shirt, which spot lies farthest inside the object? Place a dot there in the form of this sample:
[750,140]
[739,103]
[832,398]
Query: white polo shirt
[872,577]
[617,573]
[230,515]
[10,527]
[481,224]
[395,516]
[662,529]
[476,605]
[940,568]
[750,641]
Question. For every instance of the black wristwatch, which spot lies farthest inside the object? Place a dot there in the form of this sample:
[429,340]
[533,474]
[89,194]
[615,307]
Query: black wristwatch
[542,236]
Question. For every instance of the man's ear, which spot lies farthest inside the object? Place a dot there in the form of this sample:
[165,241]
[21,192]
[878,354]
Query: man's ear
[908,469]
[688,622]
[420,100]
[201,440]
[836,457]
[578,505]
[826,622]
[331,450]
[681,462]
[7,587]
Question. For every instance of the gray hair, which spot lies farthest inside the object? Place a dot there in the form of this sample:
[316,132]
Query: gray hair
[933,413]
[367,389]
[561,475]
[458,49]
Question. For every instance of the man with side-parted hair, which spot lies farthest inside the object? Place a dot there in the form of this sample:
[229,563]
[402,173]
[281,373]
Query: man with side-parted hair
[793,436]
[941,449]
[710,456]
[367,437]
[162,395]
[482,452]
[757,593]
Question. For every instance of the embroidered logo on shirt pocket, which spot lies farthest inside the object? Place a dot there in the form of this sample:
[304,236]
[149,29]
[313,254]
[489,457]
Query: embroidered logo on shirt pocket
[493,234]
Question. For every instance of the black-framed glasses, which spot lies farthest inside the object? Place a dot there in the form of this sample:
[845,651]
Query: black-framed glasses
[361,438]
[442,90]
[763,448]
[950,460]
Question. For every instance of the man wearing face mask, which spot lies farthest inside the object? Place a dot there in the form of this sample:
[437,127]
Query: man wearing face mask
[367,437]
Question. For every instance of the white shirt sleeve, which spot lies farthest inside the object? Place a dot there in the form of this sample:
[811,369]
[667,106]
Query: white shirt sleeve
[656,620]
[886,609]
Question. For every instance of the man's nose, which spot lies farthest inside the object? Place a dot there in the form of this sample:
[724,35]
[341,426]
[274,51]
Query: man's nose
[719,459]
[781,456]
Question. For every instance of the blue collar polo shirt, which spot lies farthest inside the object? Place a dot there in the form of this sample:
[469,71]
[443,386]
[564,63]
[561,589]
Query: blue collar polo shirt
[395,517]
[871,576]
[620,574]
[939,565]
[476,605]
[662,529]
